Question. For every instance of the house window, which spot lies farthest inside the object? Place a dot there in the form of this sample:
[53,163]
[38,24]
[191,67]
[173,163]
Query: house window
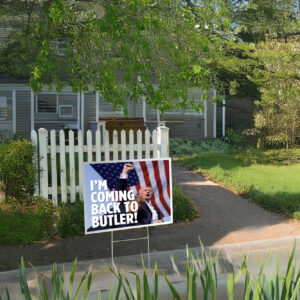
[59,47]
[3,108]
[47,103]
[66,111]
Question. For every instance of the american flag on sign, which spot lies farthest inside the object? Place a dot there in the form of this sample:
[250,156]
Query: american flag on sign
[151,173]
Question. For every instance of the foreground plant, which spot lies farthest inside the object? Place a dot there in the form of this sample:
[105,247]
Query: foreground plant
[57,289]
[123,283]
[201,275]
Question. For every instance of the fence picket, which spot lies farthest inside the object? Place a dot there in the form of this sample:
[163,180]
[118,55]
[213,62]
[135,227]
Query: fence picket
[89,146]
[139,144]
[98,145]
[154,141]
[123,144]
[147,144]
[63,174]
[34,139]
[43,143]
[53,167]
[80,161]
[115,145]
[131,144]
[106,145]
[72,167]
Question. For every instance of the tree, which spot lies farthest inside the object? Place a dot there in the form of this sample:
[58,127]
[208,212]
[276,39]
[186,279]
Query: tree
[137,48]
[278,117]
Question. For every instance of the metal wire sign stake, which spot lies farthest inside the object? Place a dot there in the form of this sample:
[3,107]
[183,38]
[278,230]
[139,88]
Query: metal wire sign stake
[147,237]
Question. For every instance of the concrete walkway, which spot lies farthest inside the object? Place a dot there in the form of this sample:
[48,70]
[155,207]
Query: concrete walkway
[225,218]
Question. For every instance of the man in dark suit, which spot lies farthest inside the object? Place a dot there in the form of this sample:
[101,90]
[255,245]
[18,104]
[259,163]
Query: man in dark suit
[147,214]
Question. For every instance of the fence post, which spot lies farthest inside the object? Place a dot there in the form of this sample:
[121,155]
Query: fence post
[43,143]
[163,141]
[34,140]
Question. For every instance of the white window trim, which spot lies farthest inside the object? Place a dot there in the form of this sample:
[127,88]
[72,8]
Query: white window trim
[37,99]
[64,106]
[4,99]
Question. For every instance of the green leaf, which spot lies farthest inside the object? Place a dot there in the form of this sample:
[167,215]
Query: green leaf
[173,290]
[155,295]
[111,292]
[71,280]
[23,281]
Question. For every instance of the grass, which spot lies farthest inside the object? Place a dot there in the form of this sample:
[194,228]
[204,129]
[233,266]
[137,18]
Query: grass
[269,178]
[19,226]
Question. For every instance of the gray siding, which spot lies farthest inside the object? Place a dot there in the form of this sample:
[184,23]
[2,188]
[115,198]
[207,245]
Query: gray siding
[135,109]
[89,110]
[106,109]
[189,127]
[23,119]
[189,124]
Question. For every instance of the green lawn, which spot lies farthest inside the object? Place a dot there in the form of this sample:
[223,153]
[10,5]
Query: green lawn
[27,224]
[270,178]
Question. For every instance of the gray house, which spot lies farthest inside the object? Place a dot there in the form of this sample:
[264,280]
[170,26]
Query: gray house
[22,110]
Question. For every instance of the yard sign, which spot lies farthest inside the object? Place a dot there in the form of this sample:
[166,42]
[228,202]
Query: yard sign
[127,194]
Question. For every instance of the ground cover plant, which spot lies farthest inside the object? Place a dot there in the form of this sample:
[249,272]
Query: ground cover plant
[26,224]
[201,278]
[183,208]
[231,143]
[270,178]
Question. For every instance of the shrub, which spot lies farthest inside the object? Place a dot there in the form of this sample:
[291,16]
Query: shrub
[16,169]
[183,209]
[233,138]
[71,219]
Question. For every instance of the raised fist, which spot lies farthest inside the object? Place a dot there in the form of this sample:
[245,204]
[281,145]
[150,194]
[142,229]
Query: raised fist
[127,168]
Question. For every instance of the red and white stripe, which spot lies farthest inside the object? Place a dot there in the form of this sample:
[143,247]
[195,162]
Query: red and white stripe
[155,174]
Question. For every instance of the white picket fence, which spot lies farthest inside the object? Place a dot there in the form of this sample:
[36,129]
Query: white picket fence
[53,159]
